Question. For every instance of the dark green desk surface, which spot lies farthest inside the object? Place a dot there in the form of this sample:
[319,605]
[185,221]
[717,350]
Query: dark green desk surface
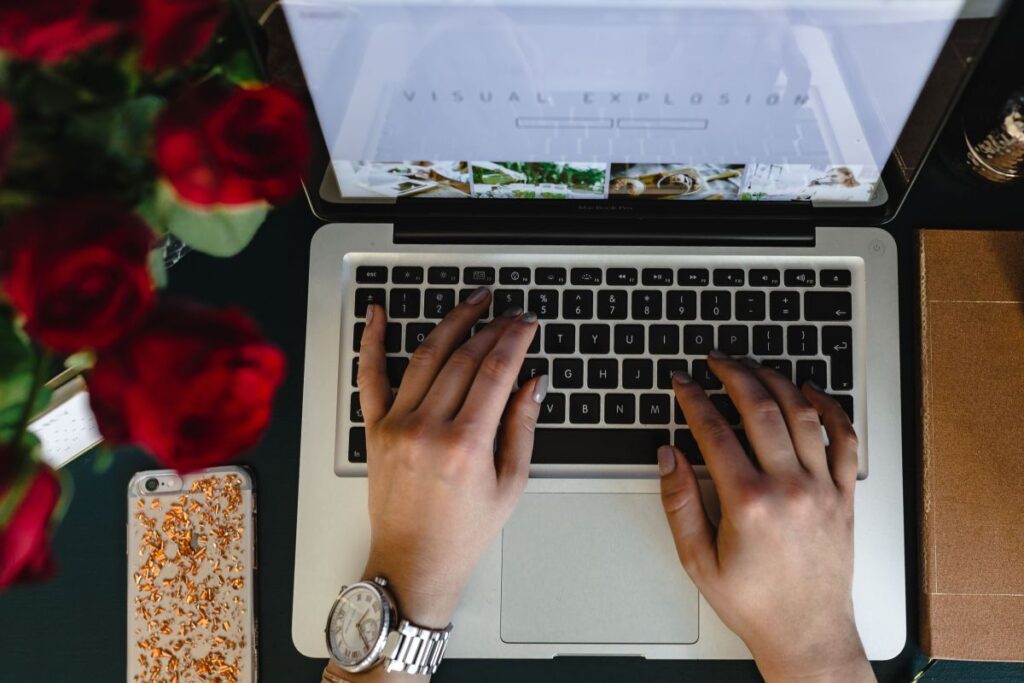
[73,628]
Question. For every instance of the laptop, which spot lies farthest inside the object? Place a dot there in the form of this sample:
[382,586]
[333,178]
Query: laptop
[655,180]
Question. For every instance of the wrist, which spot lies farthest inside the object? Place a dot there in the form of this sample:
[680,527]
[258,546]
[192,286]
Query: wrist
[839,659]
[424,603]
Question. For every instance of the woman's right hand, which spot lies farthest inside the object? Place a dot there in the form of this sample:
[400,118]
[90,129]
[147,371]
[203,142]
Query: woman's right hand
[778,569]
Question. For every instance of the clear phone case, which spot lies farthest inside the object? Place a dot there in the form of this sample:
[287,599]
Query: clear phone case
[191,566]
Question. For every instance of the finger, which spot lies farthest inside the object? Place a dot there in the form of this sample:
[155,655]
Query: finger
[433,353]
[727,463]
[762,417]
[516,445]
[801,418]
[842,439]
[452,384]
[692,531]
[488,395]
[374,386]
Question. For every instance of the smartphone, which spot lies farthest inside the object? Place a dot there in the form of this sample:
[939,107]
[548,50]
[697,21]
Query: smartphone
[191,568]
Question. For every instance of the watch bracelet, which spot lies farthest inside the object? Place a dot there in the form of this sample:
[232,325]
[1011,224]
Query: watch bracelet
[419,650]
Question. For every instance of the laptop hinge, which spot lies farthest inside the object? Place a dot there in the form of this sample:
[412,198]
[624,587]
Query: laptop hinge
[792,233]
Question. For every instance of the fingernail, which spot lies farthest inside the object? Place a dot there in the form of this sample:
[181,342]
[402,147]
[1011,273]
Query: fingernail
[750,363]
[529,317]
[541,392]
[813,385]
[666,460]
[512,312]
[479,295]
[369,313]
[715,353]
[682,377]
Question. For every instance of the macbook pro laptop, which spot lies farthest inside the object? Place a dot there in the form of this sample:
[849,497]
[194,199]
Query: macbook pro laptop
[654,179]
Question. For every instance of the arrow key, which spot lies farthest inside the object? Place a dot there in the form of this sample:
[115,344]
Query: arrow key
[827,306]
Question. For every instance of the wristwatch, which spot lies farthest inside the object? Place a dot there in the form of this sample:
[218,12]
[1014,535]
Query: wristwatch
[364,630]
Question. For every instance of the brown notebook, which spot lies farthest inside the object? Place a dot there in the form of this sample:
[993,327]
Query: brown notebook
[972,392]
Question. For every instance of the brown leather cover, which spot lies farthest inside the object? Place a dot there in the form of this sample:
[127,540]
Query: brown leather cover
[972,393]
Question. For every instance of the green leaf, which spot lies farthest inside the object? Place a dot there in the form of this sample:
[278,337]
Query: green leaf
[102,459]
[83,360]
[157,267]
[240,68]
[218,231]
[16,375]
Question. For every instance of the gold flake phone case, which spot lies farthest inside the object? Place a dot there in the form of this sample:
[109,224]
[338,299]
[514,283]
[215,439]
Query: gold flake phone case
[191,561]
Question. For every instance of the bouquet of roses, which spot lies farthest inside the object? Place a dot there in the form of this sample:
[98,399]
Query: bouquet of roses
[125,124]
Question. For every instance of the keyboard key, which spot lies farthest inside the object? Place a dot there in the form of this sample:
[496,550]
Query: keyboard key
[504,299]
[750,306]
[405,303]
[602,373]
[728,277]
[715,305]
[551,276]
[371,275]
[619,409]
[765,278]
[365,297]
[478,277]
[407,275]
[623,277]
[685,442]
[803,340]
[733,340]
[415,333]
[355,371]
[846,402]
[584,409]
[726,408]
[655,409]
[800,278]
[657,277]
[532,367]
[393,338]
[437,303]
[693,277]
[611,304]
[663,340]
[781,366]
[637,374]
[666,368]
[357,444]
[357,336]
[828,306]
[811,370]
[698,339]
[560,339]
[544,302]
[535,344]
[438,275]
[835,278]
[784,306]
[355,410]
[586,276]
[682,305]
[703,376]
[578,304]
[567,373]
[396,370]
[514,276]
[678,412]
[768,340]
[601,446]
[837,344]
[629,339]
[595,339]
[646,305]
[552,411]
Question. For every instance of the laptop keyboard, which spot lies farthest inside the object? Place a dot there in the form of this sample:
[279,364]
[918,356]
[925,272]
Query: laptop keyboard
[611,337]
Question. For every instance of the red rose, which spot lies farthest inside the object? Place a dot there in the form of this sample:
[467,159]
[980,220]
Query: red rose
[24,546]
[51,30]
[192,385]
[78,272]
[6,133]
[219,146]
[176,31]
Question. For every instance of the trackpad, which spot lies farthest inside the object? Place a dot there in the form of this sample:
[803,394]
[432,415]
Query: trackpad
[593,568]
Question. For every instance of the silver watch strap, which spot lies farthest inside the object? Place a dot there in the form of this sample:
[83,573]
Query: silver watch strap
[418,650]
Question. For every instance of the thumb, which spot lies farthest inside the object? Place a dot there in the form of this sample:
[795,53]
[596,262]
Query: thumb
[516,446]
[687,519]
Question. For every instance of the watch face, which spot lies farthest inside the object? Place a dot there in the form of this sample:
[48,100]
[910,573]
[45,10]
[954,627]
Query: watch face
[356,625]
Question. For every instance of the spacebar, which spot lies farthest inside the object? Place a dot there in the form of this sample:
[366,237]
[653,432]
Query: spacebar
[598,446]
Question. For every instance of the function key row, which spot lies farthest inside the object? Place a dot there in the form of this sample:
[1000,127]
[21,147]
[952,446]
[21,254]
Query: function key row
[623,277]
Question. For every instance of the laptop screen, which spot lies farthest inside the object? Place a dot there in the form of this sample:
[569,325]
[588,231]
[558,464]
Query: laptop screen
[635,100]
